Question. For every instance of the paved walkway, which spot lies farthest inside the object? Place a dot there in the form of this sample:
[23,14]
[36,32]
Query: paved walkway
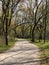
[23,53]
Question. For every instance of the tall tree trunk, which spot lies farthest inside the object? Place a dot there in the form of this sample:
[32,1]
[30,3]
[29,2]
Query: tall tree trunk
[45,20]
[6,33]
[6,39]
[33,38]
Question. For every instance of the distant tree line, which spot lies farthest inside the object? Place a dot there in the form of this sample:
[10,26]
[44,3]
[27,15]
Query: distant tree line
[30,21]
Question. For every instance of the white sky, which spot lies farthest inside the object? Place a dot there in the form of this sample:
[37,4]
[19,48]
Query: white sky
[24,4]
[0,8]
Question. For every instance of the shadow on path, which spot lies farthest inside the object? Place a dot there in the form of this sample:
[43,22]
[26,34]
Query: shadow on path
[23,53]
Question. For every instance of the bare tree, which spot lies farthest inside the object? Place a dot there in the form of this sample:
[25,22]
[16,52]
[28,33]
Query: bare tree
[7,10]
[45,21]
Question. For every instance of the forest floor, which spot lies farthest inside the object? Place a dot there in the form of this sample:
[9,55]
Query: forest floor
[23,53]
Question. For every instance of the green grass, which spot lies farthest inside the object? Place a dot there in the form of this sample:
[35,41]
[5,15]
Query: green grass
[44,48]
[3,47]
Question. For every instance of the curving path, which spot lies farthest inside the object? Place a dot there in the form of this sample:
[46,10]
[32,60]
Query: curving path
[23,53]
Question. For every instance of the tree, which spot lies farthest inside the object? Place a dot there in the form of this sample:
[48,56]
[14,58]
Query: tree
[36,7]
[45,21]
[8,8]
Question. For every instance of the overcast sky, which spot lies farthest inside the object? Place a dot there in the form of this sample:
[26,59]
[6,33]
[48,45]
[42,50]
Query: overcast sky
[1,5]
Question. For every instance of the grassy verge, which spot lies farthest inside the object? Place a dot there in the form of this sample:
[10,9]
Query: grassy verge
[44,49]
[3,47]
